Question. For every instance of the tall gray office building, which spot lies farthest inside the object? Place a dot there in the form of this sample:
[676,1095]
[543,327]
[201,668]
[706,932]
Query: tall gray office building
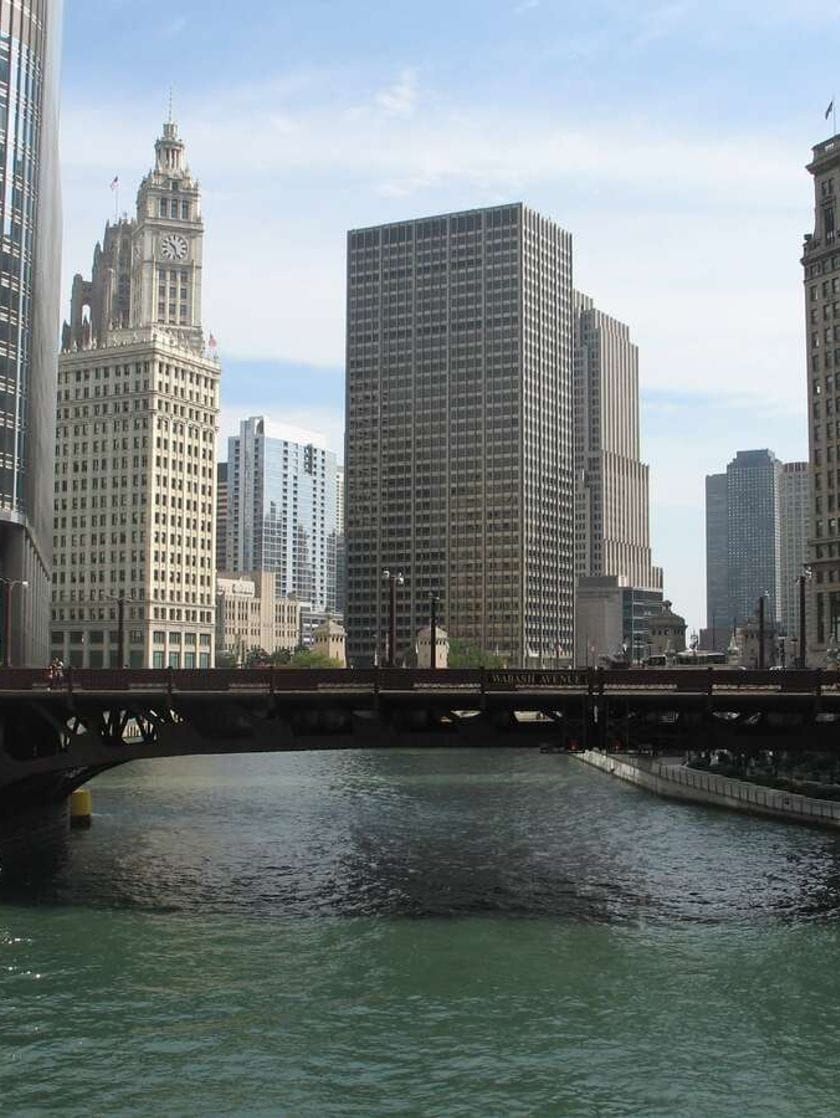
[282,513]
[821,264]
[794,512]
[459,444]
[30,253]
[612,507]
[718,610]
[743,524]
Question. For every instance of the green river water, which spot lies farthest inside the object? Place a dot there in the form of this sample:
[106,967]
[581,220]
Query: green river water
[418,933]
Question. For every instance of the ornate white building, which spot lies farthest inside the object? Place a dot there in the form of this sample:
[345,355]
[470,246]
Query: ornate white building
[250,615]
[138,399]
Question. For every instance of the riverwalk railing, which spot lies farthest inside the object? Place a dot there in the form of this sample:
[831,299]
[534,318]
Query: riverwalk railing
[756,795]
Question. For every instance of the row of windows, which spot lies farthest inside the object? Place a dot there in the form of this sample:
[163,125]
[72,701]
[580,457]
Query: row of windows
[174,207]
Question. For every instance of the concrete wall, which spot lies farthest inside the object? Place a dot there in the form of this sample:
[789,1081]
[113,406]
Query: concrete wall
[677,782]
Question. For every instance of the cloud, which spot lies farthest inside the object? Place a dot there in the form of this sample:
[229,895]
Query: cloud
[665,237]
[400,98]
[672,235]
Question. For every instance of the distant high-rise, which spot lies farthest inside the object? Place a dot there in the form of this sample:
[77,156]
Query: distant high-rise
[612,514]
[340,544]
[742,523]
[718,609]
[282,513]
[459,432]
[221,515]
[821,264]
[135,479]
[30,254]
[794,512]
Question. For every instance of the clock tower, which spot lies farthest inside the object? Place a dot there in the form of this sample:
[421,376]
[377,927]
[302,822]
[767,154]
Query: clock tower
[138,403]
[167,244]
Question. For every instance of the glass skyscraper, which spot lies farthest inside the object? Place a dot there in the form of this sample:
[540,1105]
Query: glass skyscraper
[743,540]
[282,514]
[30,249]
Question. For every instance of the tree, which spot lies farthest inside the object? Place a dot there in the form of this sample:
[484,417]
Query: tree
[462,654]
[309,658]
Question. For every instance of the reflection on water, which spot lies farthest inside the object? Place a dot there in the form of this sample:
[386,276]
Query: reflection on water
[439,934]
[427,833]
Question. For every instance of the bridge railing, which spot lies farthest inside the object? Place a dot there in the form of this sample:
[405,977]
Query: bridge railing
[616,681]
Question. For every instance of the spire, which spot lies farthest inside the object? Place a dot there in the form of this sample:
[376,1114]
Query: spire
[170,128]
[169,147]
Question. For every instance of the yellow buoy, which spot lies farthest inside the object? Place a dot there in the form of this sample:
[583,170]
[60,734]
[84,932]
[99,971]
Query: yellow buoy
[81,807]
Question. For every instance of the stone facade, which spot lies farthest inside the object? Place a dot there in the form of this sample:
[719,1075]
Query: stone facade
[423,647]
[821,264]
[330,640]
[794,511]
[666,631]
[249,615]
[612,506]
[138,401]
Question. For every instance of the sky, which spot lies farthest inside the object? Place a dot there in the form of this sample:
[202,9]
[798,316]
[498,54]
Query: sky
[670,138]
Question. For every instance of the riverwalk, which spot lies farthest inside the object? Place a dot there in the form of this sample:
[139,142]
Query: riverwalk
[675,781]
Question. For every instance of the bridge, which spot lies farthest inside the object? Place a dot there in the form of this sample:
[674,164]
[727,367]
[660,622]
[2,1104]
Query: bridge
[55,737]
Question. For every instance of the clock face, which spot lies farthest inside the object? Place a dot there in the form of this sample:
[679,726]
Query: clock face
[173,247]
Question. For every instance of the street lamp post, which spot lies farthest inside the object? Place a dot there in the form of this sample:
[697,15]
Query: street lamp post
[394,579]
[761,633]
[8,586]
[120,632]
[120,604]
[802,579]
[433,601]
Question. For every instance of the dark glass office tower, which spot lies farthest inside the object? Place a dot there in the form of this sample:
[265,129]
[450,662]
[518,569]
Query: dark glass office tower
[459,445]
[30,248]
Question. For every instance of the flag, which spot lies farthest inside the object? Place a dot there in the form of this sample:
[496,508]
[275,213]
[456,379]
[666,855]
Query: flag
[115,182]
[830,109]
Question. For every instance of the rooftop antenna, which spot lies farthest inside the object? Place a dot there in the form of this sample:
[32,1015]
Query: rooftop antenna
[170,119]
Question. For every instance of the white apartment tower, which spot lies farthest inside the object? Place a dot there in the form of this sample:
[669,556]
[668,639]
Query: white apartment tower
[459,433]
[138,400]
[282,514]
[612,510]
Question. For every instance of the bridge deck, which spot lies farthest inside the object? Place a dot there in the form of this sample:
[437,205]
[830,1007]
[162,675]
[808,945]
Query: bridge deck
[53,736]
